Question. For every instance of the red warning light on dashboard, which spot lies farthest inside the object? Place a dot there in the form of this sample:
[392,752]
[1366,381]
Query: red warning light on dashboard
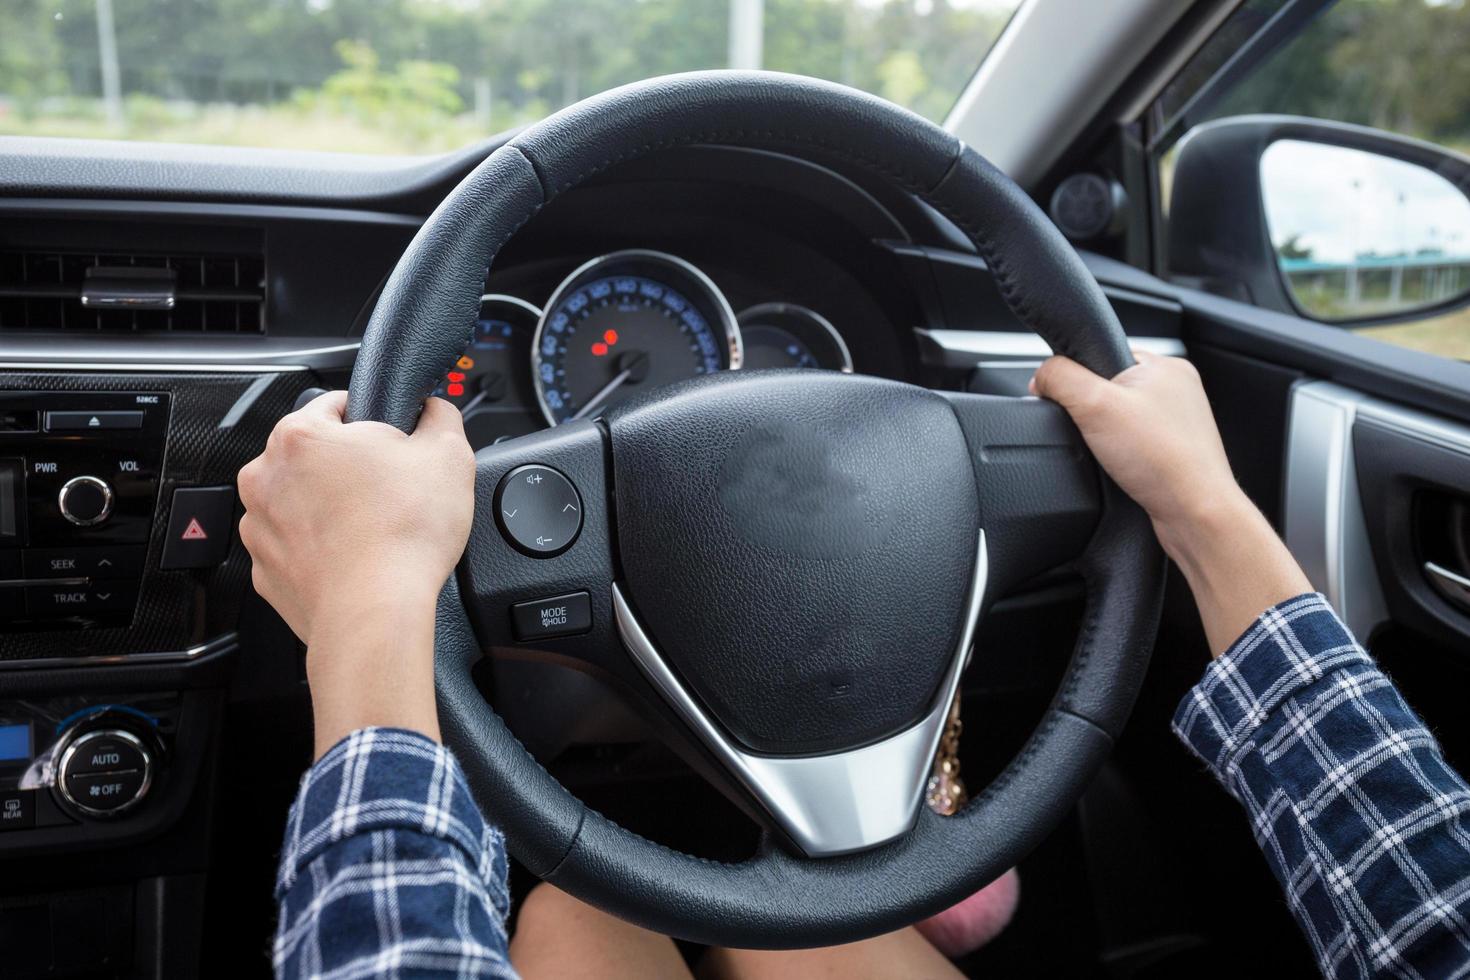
[455,390]
[611,337]
[194,532]
[456,375]
[599,349]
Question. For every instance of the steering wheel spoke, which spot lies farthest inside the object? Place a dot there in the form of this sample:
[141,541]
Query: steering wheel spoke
[1040,489]
[537,573]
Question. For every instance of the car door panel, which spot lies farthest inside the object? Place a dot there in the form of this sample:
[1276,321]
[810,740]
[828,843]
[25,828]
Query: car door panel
[1414,475]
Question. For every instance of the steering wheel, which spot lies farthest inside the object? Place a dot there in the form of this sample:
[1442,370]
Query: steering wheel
[784,570]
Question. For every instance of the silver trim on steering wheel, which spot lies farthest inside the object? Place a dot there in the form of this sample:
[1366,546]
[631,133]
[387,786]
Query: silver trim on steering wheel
[827,804]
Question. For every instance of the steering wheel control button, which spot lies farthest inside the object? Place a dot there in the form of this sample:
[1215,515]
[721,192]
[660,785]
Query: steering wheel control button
[85,500]
[103,773]
[538,510]
[199,526]
[561,615]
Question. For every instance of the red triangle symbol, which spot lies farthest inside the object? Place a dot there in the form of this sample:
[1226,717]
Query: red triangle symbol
[193,532]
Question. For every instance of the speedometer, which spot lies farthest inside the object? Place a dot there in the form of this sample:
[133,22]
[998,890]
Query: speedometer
[623,324]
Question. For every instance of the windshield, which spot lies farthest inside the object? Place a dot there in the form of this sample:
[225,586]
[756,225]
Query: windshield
[422,76]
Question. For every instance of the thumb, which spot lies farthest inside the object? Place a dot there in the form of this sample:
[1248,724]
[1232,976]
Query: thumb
[327,407]
[1067,383]
[440,417]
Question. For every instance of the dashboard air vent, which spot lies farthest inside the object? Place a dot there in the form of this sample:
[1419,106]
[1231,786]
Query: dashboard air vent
[106,292]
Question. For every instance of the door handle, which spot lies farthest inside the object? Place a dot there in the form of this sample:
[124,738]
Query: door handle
[1453,585]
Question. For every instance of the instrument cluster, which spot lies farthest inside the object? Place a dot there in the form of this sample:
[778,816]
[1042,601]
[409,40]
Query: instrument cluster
[617,326]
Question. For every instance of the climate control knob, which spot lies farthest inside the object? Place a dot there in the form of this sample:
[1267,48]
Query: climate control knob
[85,500]
[104,773]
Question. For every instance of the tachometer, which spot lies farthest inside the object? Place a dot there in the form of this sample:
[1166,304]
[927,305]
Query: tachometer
[624,323]
[488,383]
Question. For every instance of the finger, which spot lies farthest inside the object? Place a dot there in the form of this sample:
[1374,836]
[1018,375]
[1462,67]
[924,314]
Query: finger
[249,530]
[1144,356]
[248,482]
[1067,383]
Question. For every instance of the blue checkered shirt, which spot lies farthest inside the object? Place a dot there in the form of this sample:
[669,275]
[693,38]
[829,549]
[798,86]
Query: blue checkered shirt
[1362,821]
[389,869]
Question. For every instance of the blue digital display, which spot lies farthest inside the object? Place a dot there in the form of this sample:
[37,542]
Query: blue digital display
[15,743]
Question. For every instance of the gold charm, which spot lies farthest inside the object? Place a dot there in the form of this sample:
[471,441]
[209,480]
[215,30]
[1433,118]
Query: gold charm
[946,793]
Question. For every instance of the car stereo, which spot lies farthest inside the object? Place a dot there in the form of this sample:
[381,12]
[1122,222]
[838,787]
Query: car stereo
[79,476]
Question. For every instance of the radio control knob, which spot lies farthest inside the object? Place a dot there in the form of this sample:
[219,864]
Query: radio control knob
[85,500]
[104,773]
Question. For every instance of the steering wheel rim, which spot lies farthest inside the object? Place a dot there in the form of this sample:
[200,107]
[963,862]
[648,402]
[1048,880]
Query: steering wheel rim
[777,898]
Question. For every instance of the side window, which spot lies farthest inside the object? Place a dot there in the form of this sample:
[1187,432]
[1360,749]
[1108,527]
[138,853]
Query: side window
[1335,135]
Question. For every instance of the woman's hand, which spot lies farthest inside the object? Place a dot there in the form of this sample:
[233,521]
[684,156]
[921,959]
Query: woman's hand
[1152,430]
[353,530]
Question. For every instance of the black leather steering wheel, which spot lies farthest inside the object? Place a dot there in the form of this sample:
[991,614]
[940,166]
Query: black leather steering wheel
[785,569]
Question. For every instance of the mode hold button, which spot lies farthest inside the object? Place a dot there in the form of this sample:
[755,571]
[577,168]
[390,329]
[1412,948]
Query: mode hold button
[562,615]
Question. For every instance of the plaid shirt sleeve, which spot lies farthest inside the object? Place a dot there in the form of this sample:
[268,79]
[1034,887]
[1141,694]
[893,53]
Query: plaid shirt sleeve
[1349,797]
[388,867]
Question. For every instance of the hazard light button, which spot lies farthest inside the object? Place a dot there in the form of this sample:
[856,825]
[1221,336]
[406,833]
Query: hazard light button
[199,527]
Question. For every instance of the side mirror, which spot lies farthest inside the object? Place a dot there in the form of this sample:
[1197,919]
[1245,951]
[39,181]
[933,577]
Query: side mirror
[1319,219]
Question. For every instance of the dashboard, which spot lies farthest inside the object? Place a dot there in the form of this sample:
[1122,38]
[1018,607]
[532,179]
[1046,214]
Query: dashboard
[618,326]
[157,320]
[621,287]
[173,328]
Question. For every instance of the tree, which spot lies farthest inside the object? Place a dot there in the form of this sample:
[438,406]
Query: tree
[1293,248]
[29,56]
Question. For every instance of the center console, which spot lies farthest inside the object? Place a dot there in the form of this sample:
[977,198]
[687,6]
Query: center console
[66,760]
[117,510]
[123,595]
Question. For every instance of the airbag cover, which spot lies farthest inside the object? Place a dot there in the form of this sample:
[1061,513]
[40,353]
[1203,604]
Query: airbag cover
[799,545]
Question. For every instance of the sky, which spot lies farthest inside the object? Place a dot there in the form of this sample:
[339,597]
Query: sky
[1342,202]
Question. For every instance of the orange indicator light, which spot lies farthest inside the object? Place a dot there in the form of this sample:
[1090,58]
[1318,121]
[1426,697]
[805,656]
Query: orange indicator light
[611,337]
[465,363]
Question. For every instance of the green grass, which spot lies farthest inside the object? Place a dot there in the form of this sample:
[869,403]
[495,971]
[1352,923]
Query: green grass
[1447,336]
